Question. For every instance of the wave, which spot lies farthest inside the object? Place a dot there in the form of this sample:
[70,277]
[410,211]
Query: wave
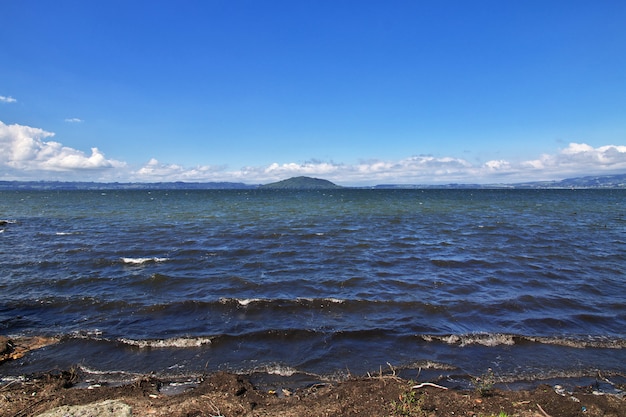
[459,340]
[268,301]
[426,364]
[473,339]
[276,369]
[500,339]
[140,261]
[175,342]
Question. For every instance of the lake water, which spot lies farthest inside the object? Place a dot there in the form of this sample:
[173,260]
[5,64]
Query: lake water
[438,284]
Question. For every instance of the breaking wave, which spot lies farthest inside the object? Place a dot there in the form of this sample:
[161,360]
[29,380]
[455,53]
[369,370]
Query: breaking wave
[140,261]
[176,342]
[499,339]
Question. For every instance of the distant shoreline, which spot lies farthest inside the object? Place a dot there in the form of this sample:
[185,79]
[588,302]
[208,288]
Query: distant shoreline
[586,182]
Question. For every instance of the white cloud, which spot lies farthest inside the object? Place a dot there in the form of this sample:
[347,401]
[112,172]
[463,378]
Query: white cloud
[24,148]
[575,160]
[156,171]
[581,158]
[29,153]
[9,99]
[73,120]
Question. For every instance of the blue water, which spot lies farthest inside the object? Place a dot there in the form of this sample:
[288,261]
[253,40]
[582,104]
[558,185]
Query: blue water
[448,283]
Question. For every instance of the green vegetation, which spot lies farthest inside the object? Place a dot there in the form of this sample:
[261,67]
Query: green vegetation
[484,384]
[409,404]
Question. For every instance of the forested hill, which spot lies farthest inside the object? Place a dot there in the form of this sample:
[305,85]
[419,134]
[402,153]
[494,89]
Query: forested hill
[301,183]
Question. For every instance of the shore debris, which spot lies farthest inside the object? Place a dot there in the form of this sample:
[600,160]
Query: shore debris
[428,384]
[15,348]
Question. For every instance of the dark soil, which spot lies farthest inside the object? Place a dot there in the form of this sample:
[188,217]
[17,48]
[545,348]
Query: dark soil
[224,394]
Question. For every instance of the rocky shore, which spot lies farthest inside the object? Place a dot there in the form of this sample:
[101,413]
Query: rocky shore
[223,394]
[64,394]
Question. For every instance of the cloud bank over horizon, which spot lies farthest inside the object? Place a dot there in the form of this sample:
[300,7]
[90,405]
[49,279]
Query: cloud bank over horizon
[27,153]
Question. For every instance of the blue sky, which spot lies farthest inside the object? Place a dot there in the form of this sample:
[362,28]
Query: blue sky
[358,92]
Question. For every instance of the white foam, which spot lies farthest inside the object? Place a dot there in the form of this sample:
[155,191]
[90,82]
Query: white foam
[241,301]
[88,334]
[63,233]
[433,365]
[484,339]
[176,342]
[92,371]
[498,339]
[605,343]
[247,301]
[139,261]
[280,370]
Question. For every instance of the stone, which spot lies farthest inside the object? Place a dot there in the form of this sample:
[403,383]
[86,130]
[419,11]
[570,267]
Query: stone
[109,408]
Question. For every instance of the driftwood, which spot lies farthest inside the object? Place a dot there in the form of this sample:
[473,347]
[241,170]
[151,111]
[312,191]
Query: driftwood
[427,384]
[11,349]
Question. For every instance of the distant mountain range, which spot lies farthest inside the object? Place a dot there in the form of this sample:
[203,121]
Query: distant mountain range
[308,183]
[602,181]
[72,185]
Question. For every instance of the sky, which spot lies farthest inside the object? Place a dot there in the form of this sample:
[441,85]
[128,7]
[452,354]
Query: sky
[356,92]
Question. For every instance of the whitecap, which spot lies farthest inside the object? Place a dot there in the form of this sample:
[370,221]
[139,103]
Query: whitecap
[426,364]
[590,342]
[86,334]
[140,261]
[176,342]
[280,370]
[241,301]
[484,339]
[246,301]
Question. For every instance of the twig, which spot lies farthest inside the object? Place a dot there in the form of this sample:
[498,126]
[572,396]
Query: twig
[427,384]
[216,410]
[543,411]
[23,411]
[5,387]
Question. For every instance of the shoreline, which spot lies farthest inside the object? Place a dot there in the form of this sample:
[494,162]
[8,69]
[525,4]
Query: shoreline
[226,394]
[73,392]
[14,348]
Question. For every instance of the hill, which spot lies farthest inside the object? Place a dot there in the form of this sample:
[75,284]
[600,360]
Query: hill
[589,182]
[301,183]
[601,181]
